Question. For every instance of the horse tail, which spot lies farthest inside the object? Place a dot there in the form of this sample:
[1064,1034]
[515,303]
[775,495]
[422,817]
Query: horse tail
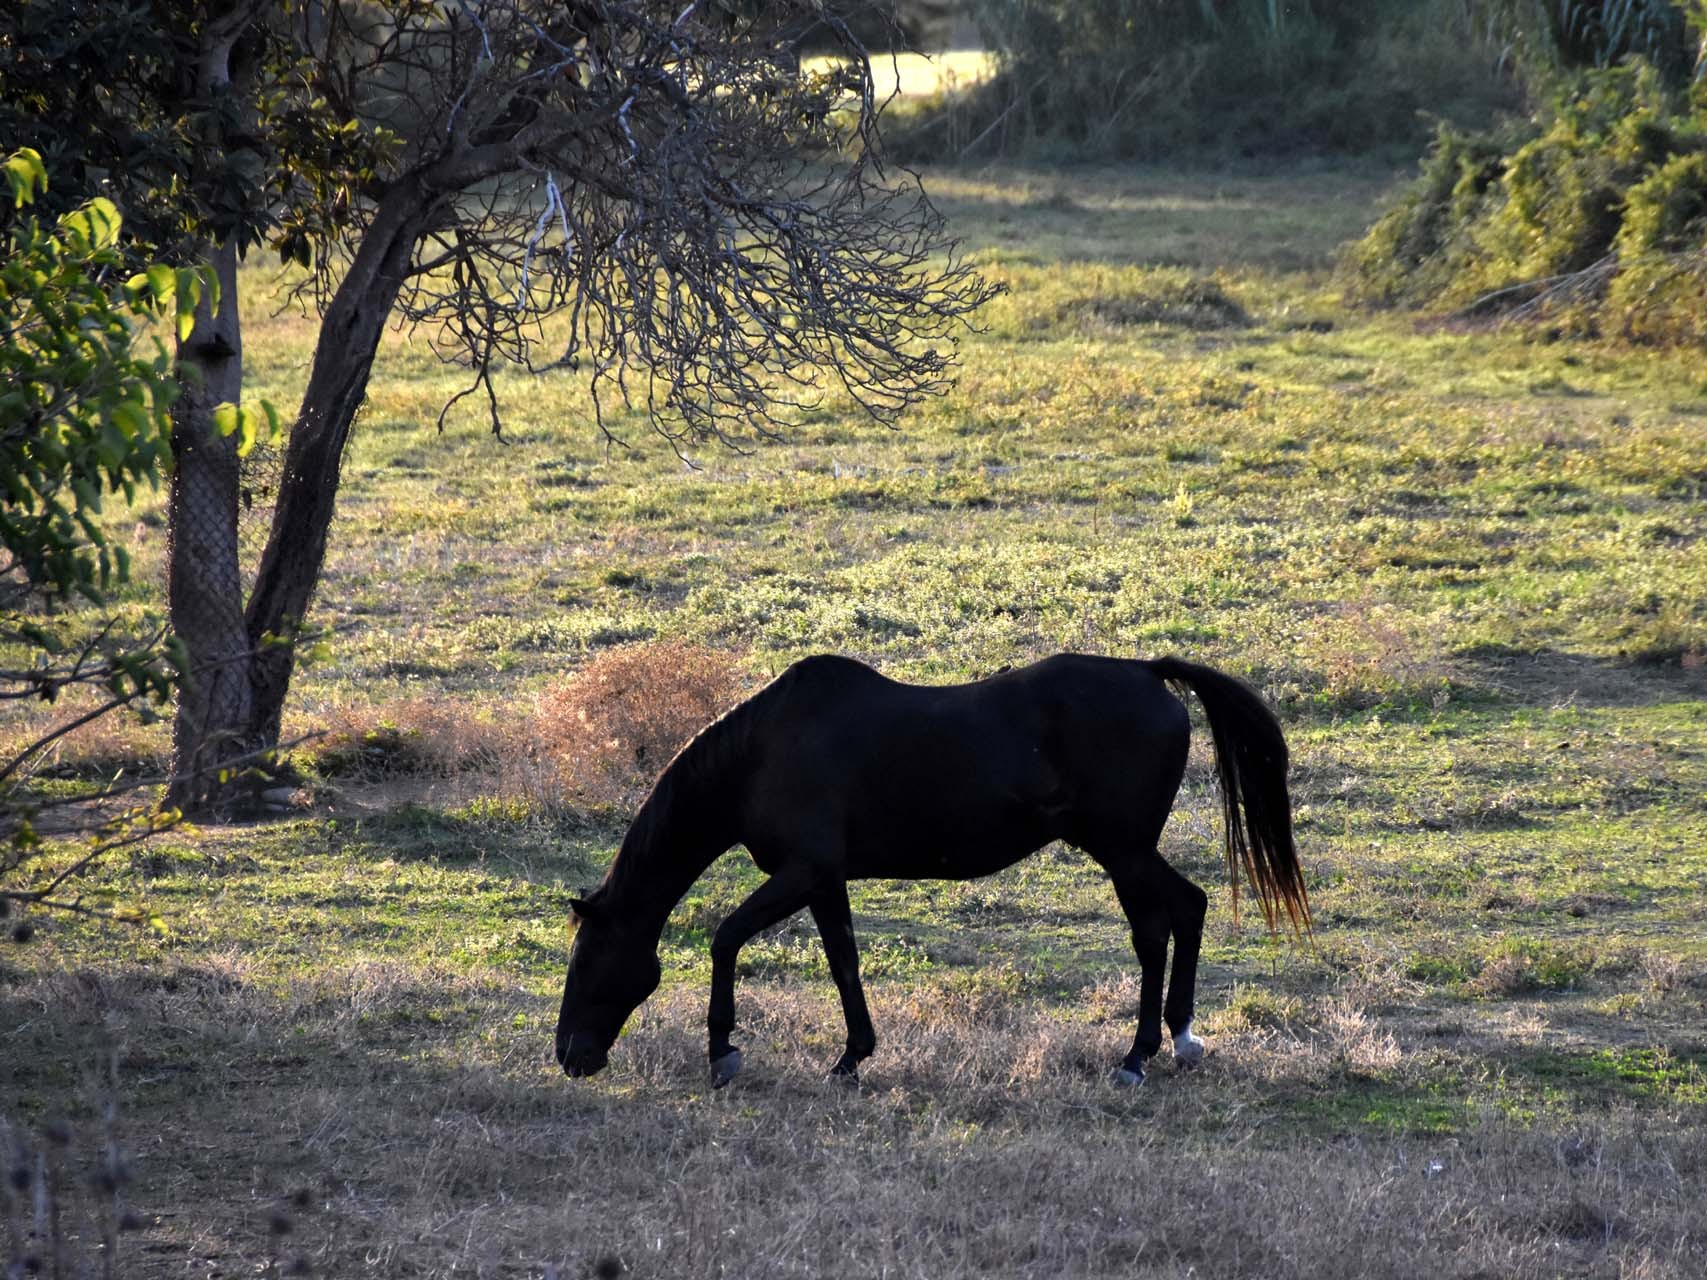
[1251,758]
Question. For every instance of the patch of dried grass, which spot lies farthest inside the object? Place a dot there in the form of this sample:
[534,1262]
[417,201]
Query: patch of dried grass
[613,725]
[433,737]
[987,1141]
[120,742]
[596,739]
[1364,653]
[1360,1043]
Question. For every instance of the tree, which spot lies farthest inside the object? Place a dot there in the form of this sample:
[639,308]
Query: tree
[714,227]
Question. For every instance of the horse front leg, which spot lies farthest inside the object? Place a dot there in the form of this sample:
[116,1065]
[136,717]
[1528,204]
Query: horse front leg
[773,901]
[834,918]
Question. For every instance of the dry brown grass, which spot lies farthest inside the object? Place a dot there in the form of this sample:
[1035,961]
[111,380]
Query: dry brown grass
[987,1141]
[620,719]
[122,741]
[430,737]
[595,739]
[1367,654]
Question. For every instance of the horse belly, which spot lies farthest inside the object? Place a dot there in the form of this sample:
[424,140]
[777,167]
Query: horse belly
[958,850]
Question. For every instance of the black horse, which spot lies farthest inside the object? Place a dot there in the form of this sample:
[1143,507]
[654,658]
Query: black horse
[833,772]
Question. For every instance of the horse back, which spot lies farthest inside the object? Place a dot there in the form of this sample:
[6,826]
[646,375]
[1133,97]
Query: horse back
[879,778]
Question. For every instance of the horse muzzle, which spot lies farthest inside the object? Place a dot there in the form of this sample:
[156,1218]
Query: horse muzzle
[581,1055]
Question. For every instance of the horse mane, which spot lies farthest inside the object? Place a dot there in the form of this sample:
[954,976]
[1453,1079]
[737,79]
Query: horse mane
[693,795]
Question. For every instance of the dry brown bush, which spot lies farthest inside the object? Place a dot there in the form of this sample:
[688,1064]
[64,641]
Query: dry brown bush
[434,737]
[620,719]
[595,739]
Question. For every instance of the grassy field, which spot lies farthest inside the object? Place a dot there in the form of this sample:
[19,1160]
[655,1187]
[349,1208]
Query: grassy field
[1467,567]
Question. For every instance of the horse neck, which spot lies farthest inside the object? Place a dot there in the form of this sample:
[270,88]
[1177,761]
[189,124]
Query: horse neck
[683,827]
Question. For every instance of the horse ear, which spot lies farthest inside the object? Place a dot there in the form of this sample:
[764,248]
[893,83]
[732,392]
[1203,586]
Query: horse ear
[583,909]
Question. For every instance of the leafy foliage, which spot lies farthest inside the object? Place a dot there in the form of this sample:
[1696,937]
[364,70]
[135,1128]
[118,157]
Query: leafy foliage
[1598,218]
[1159,77]
[111,95]
[1417,248]
[85,413]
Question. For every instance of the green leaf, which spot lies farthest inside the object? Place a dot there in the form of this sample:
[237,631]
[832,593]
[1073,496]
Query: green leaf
[88,496]
[26,175]
[94,225]
[247,423]
[163,283]
[189,288]
[225,418]
[130,418]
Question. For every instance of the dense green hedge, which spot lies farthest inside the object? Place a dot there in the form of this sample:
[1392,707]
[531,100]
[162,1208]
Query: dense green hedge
[1593,216]
[1225,79]
[1163,79]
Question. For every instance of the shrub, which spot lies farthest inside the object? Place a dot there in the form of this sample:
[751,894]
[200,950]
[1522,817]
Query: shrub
[1595,219]
[1661,290]
[1422,244]
[1563,192]
[1155,78]
[618,721]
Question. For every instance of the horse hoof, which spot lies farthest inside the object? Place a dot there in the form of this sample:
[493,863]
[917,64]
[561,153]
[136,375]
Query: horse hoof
[725,1068]
[1188,1049]
[849,1080]
[1127,1078]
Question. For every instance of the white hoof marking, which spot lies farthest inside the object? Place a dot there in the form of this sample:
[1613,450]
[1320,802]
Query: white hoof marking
[725,1068]
[1188,1049]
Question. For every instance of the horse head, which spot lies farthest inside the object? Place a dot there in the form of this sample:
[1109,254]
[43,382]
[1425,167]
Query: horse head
[612,969]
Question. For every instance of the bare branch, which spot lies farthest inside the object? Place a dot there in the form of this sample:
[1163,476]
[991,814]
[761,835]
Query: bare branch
[702,226]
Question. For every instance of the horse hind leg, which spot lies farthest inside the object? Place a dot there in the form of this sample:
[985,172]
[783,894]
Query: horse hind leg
[834,918]
[1146,913]
[1188,905]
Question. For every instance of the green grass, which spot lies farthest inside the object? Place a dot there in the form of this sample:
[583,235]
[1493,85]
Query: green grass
[1468,568]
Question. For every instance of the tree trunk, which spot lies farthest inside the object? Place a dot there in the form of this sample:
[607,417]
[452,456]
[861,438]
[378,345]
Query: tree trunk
[204,585]
[337,384]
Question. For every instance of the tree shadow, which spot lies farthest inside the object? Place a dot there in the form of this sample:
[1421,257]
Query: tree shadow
[1206,220]
[1551,678]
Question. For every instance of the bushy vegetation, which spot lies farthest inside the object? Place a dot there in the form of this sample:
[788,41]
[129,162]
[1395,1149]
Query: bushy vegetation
[1593,217]
[612,726]
[1164,79]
